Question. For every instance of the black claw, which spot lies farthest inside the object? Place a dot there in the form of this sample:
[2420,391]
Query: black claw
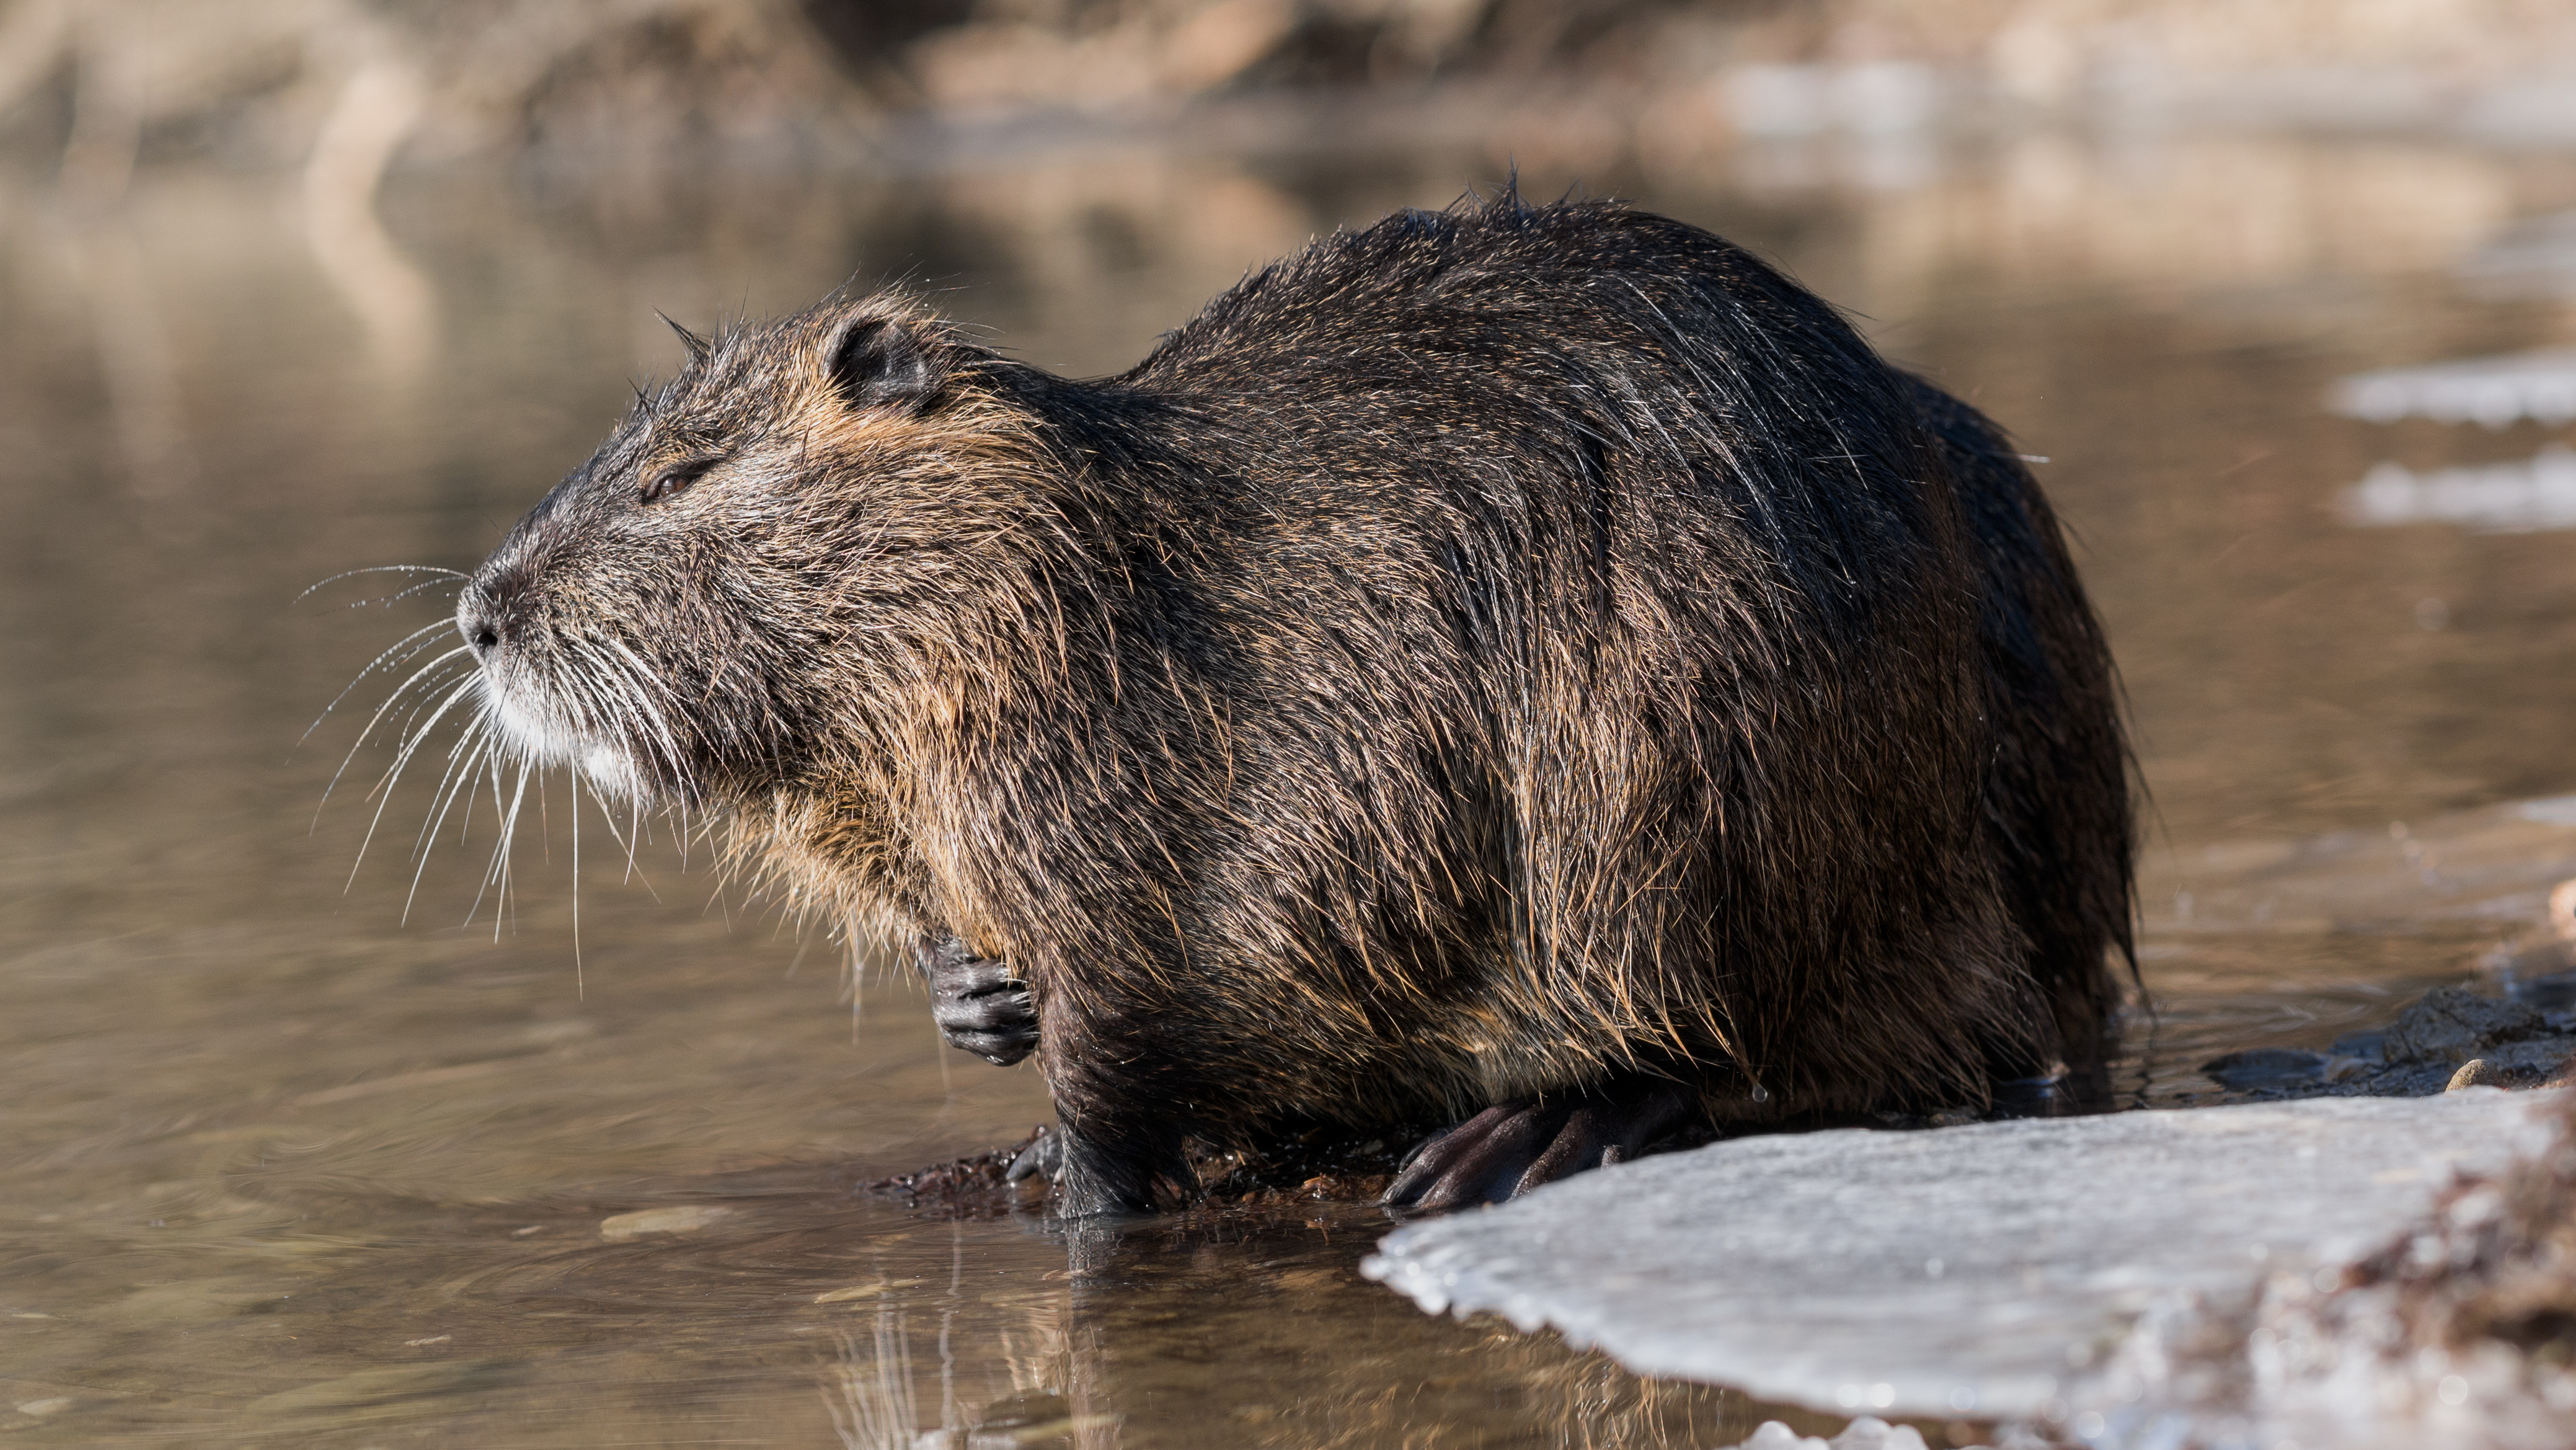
[1513,1147]
[978,1004]
[1417,1150]
[1041,1159]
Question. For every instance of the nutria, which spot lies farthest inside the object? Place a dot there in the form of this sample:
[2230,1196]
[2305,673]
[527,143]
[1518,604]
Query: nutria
[1529,662]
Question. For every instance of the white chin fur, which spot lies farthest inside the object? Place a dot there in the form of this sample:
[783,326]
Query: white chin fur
[545,741]
[611,773]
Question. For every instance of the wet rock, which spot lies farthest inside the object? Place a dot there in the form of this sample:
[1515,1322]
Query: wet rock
[2047,1269]
[2453,1025]
[2266,1067]
[2417,1056]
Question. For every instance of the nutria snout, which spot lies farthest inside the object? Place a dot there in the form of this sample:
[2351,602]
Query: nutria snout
[1529,667]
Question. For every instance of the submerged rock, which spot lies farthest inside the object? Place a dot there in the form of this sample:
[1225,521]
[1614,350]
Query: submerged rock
[2267,1067]
[2095,1274]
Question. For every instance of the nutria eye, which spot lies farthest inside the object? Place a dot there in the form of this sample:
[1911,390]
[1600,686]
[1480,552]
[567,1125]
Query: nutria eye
[674,478]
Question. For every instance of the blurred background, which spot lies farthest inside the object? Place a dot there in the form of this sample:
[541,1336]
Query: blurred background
[2284,292]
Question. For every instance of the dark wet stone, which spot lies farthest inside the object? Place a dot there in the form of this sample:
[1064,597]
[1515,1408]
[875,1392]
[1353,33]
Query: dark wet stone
[2452,1025]
[2265,1067]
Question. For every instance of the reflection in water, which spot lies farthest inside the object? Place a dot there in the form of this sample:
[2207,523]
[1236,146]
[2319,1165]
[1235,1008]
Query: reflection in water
[2503,498]
[276,1164]
[1224,1319]
[376,109]
[2495,391]
[135,355]
[873,1409]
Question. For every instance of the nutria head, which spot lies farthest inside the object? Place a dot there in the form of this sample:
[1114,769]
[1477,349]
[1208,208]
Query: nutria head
[736,595]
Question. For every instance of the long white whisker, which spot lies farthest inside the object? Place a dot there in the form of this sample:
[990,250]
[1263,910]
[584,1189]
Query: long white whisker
[635,833]
[643,683]
[411,745]
[367,669]
[464,780]
[400,699]
[628,836]
[507,902]
[368,733]
[501,818]
[579,991]
[480,728]
[416,727]
[459,772]
[408,591]
[456,574]
[496,877]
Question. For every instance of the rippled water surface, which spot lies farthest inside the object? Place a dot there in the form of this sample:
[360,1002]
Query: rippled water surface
[278,1161]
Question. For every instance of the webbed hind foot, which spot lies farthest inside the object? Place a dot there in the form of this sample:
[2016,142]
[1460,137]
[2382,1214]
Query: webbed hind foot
[1513,1147]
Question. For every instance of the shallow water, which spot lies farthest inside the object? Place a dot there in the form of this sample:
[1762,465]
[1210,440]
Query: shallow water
[277,1162]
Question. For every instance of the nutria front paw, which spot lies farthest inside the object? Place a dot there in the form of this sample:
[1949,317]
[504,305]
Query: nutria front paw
[978,1004]
[1513,1147]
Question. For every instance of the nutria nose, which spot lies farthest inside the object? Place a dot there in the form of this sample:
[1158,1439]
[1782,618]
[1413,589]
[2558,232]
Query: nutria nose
[493,603]
[479,623]
[483,615]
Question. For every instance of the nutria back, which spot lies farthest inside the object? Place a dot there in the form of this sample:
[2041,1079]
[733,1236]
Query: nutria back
[1527,659]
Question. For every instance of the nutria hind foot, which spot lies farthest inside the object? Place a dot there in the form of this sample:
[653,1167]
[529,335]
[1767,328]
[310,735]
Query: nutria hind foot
[1513,1147]
[1043,1158]
[1110,1177]
[977,1003]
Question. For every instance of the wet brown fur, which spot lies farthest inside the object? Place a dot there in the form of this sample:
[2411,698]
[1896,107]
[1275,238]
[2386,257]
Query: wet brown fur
[1483,656]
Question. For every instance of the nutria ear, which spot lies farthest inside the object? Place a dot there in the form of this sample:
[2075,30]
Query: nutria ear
[877,361]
